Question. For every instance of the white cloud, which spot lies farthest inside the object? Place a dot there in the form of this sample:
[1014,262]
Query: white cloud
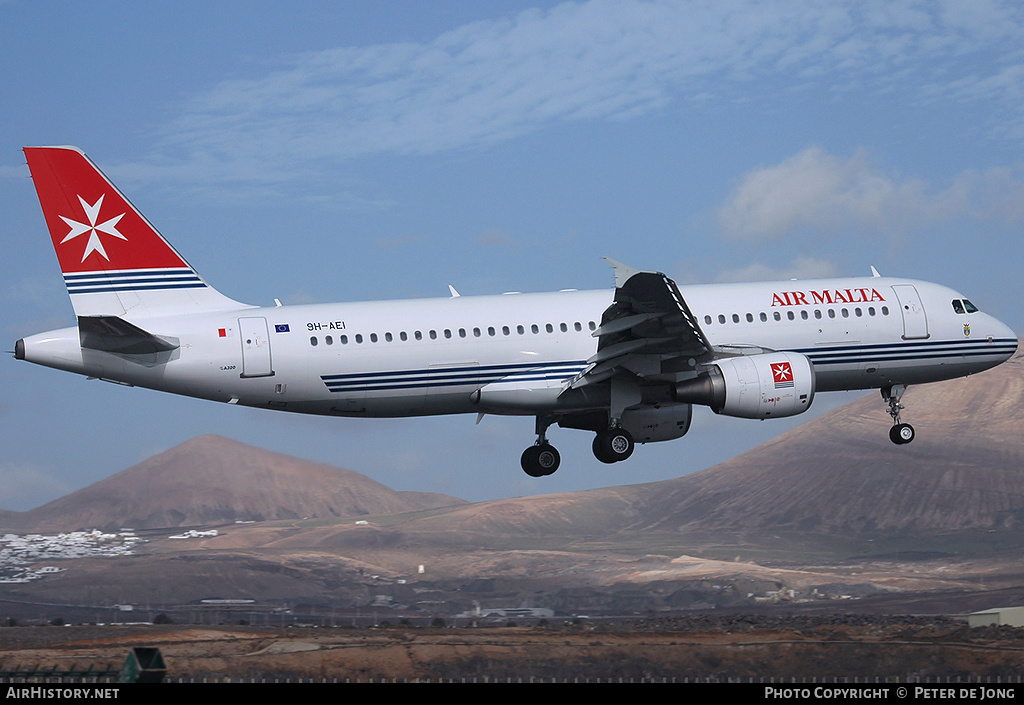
[24,487]
[497,239]
[821,193]
[800,268]
[995,194]
[492,80]
[817,190]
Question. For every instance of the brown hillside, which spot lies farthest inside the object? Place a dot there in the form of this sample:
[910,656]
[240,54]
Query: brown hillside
[836,474]
[839,472]
[213,480]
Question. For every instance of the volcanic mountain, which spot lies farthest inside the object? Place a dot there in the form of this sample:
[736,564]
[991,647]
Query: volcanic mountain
[212,480]
[836,475]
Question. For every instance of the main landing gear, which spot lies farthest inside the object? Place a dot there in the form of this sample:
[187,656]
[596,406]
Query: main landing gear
[541,458]
[900,433]
[611,445]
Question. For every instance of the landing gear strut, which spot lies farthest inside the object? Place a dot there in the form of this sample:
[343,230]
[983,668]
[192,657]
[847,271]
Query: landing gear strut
[900,432]
[613,445]
[541,458]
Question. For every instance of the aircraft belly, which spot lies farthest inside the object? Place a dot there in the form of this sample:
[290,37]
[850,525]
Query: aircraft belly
[397,405]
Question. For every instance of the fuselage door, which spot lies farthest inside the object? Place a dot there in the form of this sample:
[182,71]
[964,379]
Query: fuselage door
[915,321]
[255,347]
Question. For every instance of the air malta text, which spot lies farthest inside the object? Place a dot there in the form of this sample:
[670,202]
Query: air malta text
[826,296]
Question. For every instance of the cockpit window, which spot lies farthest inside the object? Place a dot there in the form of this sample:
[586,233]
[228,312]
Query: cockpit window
[964,306]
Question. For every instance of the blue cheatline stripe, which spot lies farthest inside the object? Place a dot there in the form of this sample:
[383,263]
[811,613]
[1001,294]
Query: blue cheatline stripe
[133,280]
[529,372]
[504,369]
[839,355]
[451,376]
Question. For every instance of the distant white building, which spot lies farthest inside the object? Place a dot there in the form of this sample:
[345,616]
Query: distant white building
[524,612]
[997,616]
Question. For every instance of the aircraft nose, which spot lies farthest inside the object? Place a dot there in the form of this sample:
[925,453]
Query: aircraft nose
[1004,337]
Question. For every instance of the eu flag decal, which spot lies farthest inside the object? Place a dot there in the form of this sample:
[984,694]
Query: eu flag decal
[281,328]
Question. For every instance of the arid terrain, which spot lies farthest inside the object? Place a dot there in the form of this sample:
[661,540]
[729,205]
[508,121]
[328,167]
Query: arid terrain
[819,539]
[693,649]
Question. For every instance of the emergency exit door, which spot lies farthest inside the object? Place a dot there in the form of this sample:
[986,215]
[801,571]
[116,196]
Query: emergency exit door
[255,337]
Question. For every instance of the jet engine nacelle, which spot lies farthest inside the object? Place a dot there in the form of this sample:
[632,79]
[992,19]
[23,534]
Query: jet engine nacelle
[770,385]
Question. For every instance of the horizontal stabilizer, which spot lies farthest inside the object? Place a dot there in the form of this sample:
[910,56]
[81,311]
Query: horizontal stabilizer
[116,335]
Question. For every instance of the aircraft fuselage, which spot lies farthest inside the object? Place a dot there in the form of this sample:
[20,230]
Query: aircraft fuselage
[427,356]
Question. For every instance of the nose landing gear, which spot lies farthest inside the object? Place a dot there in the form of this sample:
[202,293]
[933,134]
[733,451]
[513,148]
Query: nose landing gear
[900,433]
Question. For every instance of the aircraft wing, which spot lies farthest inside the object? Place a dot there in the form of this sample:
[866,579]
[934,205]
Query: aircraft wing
[648,330]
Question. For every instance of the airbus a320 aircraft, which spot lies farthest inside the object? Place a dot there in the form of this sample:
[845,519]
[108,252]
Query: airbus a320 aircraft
[626,364]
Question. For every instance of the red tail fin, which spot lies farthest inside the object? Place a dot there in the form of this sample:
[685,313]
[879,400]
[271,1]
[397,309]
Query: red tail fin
[114,261]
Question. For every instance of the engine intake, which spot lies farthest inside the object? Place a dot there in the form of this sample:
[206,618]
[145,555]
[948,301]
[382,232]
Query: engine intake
[770,385]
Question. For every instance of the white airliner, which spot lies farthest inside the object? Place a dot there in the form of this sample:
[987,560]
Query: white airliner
[626,364]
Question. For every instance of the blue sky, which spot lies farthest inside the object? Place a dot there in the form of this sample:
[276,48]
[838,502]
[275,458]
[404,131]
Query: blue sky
[323,151]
